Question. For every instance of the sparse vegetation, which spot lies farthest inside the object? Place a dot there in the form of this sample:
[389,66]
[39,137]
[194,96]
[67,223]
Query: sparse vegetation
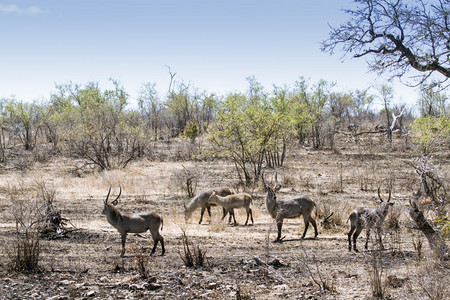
[333,146]
[376,273]
[224,258]
[302,132]
[193,255]
[24,250]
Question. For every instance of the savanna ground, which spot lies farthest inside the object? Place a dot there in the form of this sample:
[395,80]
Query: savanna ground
[241,261]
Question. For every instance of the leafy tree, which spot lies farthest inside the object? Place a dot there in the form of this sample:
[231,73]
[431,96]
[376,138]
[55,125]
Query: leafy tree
[25,119]
[310,104]
[230,135]
[243,131]
[179,109]
[95,125]
[431,130]
[256,128]
[431,133]
[191,130]
[397,36]
[283,114]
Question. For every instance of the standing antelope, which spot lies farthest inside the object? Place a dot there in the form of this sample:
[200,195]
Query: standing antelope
[202,200]
[134,223]
[230,202]
[290,208]
[363,217]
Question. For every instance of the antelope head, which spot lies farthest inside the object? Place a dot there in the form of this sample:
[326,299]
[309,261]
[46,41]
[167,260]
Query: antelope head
[271,191]
[387,204]
[187,212]
[109,206]
[212,198]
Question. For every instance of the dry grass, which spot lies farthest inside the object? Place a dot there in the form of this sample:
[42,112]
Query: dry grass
[193,255]
[87,263]
[24,250]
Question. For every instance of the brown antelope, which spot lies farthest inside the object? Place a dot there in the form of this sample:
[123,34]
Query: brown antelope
[230,202]
[134,223]
[290,208]
[202,201]
[363,217]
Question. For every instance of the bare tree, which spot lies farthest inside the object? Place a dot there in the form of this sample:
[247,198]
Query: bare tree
[386,32]
[151,107]
[433,189]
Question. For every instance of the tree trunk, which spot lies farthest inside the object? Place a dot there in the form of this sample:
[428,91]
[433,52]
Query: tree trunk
[435,240]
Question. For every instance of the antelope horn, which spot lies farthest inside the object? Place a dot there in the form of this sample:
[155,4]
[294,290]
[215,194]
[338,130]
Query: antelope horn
[107,196]
[379,196]
[120,192]
[389,198]
[328,217]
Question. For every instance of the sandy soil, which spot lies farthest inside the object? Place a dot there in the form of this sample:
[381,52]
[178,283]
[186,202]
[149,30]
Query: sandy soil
[241,261]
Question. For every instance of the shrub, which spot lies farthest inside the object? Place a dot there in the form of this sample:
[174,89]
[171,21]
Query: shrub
[195,257]
[24,251]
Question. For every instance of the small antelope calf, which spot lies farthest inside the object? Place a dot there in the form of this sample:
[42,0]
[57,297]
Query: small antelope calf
[230,202]
[134,223]
[369,218]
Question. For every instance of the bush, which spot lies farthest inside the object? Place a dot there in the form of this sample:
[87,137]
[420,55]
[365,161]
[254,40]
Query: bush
[195,257]
[24,251]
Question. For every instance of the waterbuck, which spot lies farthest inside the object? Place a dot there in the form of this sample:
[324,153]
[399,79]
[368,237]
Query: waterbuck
[134,223]
[230,202]
[290,208]
[202,201]
[369,218]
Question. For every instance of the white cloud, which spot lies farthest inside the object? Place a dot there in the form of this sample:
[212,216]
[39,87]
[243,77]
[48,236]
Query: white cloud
[12,8]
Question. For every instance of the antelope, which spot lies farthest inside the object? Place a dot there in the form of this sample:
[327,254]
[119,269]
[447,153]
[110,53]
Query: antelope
[363,217]
[230,202]
[202,201]
[290,208]
[134,223]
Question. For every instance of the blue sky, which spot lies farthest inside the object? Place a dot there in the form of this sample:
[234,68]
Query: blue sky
[211,44]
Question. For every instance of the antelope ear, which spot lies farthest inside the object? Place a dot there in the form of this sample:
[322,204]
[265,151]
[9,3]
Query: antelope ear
[115,202]
[277,187]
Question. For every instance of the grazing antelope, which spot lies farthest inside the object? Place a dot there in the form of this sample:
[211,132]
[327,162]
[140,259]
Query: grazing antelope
[230,202]
[363,217]
[290,208]
[202,201]
[134,223]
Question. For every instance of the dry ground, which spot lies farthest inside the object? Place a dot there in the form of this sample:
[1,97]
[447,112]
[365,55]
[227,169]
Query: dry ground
[242,262]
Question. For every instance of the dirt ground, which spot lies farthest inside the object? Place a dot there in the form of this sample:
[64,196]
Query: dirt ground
[242,262]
